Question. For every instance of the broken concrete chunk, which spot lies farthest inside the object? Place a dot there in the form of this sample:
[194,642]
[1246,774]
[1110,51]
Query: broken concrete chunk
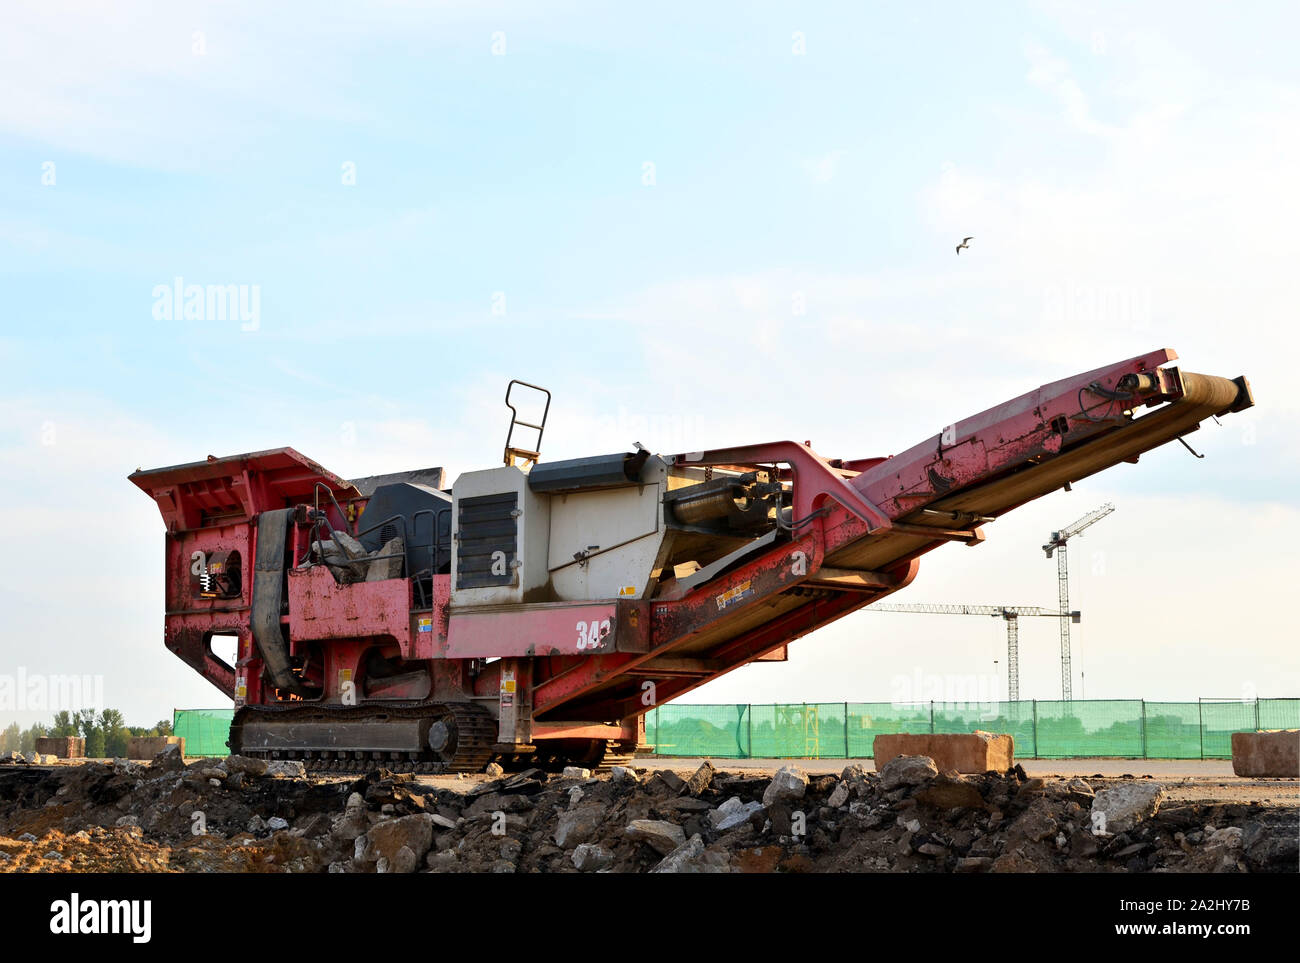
[907,771]
[591,857]
[405,861]
[726,809]
[670,779]
[245,764]
[659,834]
[693,857]
[443,862]
[624,774]
[578,825]
[388,836]
[388,561]
[286,768]
[348,545]
[1120,808]
[700,779]
[951,792]
[790,782]
[738,816]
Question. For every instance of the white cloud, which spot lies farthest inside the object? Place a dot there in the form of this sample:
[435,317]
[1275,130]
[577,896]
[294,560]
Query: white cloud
[1052,74]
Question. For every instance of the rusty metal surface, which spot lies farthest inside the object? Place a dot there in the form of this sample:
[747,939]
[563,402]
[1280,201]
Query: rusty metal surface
[320,608]
[547,629]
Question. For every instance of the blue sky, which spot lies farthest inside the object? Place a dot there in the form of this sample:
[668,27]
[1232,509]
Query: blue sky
[1127,171]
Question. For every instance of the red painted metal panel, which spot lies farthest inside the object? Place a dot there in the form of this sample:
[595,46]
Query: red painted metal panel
[238,485]
[320,608]
[580,628]
[1004,437]
[626,731]
[429,627]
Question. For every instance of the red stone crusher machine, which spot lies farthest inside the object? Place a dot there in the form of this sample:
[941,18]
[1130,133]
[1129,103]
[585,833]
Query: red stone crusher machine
[534,612]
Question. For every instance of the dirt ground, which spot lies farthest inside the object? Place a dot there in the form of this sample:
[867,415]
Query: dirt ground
[1185,780]
[243,815]
[1035,767]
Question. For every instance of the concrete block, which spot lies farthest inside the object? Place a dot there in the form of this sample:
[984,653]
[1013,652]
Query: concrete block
[969,752]
[1275,752]
[63,747]
[146,747]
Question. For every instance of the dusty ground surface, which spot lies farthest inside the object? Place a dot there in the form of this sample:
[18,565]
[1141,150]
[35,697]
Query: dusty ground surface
[1035,767]
[234,815]
[1187,780]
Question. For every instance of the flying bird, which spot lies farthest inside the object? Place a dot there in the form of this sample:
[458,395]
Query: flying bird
[964,243]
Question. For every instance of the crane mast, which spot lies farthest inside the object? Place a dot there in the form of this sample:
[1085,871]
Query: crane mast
[1058,544]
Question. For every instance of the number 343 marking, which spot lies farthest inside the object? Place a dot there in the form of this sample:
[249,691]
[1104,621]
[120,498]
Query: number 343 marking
[591,634]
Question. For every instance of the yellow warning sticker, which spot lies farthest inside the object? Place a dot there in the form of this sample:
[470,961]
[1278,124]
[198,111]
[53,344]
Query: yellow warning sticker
[626,591]
[737,594]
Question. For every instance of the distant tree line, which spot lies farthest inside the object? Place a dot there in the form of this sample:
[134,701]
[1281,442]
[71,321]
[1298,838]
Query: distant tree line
[106,732]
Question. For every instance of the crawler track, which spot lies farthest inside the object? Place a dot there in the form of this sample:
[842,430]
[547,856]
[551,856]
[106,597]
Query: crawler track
[358,739]
[399,737]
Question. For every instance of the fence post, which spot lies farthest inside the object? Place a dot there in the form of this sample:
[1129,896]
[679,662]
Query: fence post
[931,717]
[1144,728]
[1034,704]
[1257,713]
[846,730]
[749,729]
[1200,725]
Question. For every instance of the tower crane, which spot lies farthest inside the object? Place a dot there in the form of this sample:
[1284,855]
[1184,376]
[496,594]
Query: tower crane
[1057,544]
[1010,613]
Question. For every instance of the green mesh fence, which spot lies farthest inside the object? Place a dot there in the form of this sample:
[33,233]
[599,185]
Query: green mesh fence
[1110,728]
[1123,728]
[1173,730]
[1220,719]
[205,730]
[721,731]
[1128,728]
[1279,713]
[870,719]
[1016,719]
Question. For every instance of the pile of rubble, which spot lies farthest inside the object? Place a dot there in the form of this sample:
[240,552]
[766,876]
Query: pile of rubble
[247,815]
